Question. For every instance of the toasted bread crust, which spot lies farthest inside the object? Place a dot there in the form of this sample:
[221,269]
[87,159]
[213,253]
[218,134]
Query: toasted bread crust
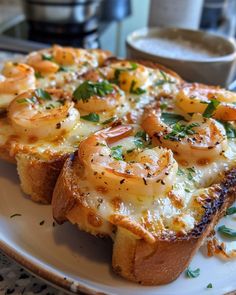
[38,177]
[135,259]
[67,206]
[164,261]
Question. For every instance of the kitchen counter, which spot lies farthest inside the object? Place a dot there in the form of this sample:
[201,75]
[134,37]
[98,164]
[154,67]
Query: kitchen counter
[15,280]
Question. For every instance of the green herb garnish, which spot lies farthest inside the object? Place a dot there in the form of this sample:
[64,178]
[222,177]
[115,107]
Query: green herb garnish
[117,153]
[226,231]
[92,117]
[38,75]
[31,100]
[108,121]
[180,131]
[42,94]
[133,66]
[209,286]
[50,106]
[130,151]
[163,106]
[63,69]
[164,80]
[190,173]
[231,211]
[192,273]
[210,109]
[140,139]
[229,129]
[180,172]
[170,118]
[47,57]
[87,89]
[137,90]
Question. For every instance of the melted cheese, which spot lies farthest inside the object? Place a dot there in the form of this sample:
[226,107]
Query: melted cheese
[164,212]
[179,211]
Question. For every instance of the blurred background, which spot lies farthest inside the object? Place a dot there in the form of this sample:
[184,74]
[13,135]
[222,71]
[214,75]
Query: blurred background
[26,24]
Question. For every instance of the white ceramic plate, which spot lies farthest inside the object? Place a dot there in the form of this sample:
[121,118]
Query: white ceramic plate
[77,261]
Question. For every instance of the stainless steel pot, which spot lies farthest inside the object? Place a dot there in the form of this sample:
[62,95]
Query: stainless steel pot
[60,11]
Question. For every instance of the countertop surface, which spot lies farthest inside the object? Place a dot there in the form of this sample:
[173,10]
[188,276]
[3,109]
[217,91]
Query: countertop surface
[15,280]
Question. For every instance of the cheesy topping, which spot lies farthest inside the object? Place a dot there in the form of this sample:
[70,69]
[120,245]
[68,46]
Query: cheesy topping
[154,179]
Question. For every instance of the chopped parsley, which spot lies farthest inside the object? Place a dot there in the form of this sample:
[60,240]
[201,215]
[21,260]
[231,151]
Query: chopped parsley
[117,153]
[38,75]
[209,286]
[170,118]
[14,215]
[180,172]
[31,100]
[47,57]
[108,121]
[92,117]
[140,139]
[192,273]
[50,106]
[39,93]
[137,90]
[210,109]
[190,173]
[164,80]
[133,66]
[163,106]
[42,94]
[229,129]
[63,69]
[88,88]
[180,131]
[227,232]
[231,211]
[187,190]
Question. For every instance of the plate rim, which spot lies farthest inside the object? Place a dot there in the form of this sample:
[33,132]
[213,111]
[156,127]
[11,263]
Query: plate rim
[74,287]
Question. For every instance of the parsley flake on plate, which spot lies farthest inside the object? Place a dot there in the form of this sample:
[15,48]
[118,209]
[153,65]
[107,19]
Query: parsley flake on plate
[192,273]
[227,232]
[231,211]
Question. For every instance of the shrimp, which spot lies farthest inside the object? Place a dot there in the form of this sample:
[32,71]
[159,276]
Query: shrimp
[15,79]
[42,114]
[99,96]
[42,63]
[150,173]
[131,77]
[194,98]
[50,61]
[201,140]
[101,55]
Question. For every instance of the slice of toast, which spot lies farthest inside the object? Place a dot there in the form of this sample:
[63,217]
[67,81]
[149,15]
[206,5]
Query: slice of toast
[39,162]
[140,255]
